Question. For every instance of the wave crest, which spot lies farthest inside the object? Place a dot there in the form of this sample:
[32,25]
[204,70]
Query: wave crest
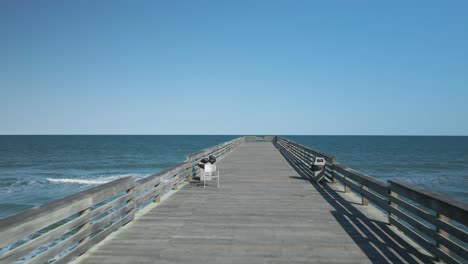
[100,180]
[79,181]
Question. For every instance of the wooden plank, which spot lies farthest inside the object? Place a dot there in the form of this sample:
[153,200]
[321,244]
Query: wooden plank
[148,183]
[199,154]
[155,179]
[184,175]
[261,199]
[446,242]
[382,203]
[413,209]
[365,194]
[262,212]
[168,184]
[104,208]
[353,186]
[446,258]
[181,168]
[452,230]
[452,246]
[366,180]
[108,218]
[328,157]
[161,188]
[22,224]
[75,238]
[59,231]
[457,210]
[413,235]
[374,184]
[413,222]
[55,250]
[340,178]
[146,196]
[93,241]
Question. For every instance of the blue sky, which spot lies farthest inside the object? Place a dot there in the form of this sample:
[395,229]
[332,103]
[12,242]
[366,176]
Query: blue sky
[234,67]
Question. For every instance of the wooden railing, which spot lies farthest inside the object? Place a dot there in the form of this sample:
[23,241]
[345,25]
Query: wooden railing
[69,225]
[436,222]
[219,151]
[62,230]
[258,138]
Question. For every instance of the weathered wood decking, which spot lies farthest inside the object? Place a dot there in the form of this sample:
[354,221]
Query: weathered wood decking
[264,212]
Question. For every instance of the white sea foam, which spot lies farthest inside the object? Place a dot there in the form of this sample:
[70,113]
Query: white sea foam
[79,181]
[99,180]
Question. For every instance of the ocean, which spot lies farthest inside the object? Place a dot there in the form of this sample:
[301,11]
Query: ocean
[439,163]
[38,169]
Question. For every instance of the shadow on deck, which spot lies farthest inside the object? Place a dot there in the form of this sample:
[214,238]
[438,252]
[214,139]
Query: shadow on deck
[374,237]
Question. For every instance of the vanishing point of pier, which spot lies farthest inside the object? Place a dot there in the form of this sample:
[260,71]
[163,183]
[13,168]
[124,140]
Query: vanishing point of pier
[269,208]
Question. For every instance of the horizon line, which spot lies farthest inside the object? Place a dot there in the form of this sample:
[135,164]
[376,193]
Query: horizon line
[338,135]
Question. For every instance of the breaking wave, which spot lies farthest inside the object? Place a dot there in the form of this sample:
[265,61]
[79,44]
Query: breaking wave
[96,181]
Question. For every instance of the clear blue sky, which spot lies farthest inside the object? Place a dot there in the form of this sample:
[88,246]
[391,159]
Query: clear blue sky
[253,67]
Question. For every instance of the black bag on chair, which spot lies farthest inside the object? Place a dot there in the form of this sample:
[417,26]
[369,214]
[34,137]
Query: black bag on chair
[212,159]
[202,163]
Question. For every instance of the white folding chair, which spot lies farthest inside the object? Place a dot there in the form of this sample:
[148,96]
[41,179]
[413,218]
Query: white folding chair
[209,172]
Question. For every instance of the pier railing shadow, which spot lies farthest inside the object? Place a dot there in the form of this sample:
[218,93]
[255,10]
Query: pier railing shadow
[63,230]
[374,237]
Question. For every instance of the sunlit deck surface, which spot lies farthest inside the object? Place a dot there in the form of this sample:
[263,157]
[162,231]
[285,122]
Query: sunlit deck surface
[264,212]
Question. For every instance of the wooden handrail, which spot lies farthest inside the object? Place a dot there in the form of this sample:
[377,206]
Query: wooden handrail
[444,229]
[72,214]
[436,222]
[456,210]
[71,225]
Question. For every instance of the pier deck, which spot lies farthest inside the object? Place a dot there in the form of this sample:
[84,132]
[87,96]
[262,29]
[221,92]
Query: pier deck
[265,211]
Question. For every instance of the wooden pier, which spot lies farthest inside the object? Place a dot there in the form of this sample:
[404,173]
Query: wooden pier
[268,209]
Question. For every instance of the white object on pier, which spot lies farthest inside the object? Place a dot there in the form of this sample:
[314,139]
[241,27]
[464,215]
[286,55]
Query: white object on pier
[318,168]
[208,173]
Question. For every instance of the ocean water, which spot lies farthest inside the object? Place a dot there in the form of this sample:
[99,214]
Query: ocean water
[439,163]
[38,169]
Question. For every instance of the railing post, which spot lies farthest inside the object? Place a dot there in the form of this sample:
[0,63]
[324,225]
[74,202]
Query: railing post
[364,199]
[176,185]
[302,154]
[333,172]
[85,226]
[442,233]
[157,197]
[305,154]
[391,204]
[189,161]
[131,200]
[190,168]
[345,183]
[189,176]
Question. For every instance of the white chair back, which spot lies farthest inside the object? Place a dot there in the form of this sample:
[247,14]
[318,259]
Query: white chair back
[208,173]
[210,168]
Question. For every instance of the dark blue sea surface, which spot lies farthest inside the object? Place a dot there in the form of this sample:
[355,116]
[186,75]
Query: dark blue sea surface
[439,163]
[38,169]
